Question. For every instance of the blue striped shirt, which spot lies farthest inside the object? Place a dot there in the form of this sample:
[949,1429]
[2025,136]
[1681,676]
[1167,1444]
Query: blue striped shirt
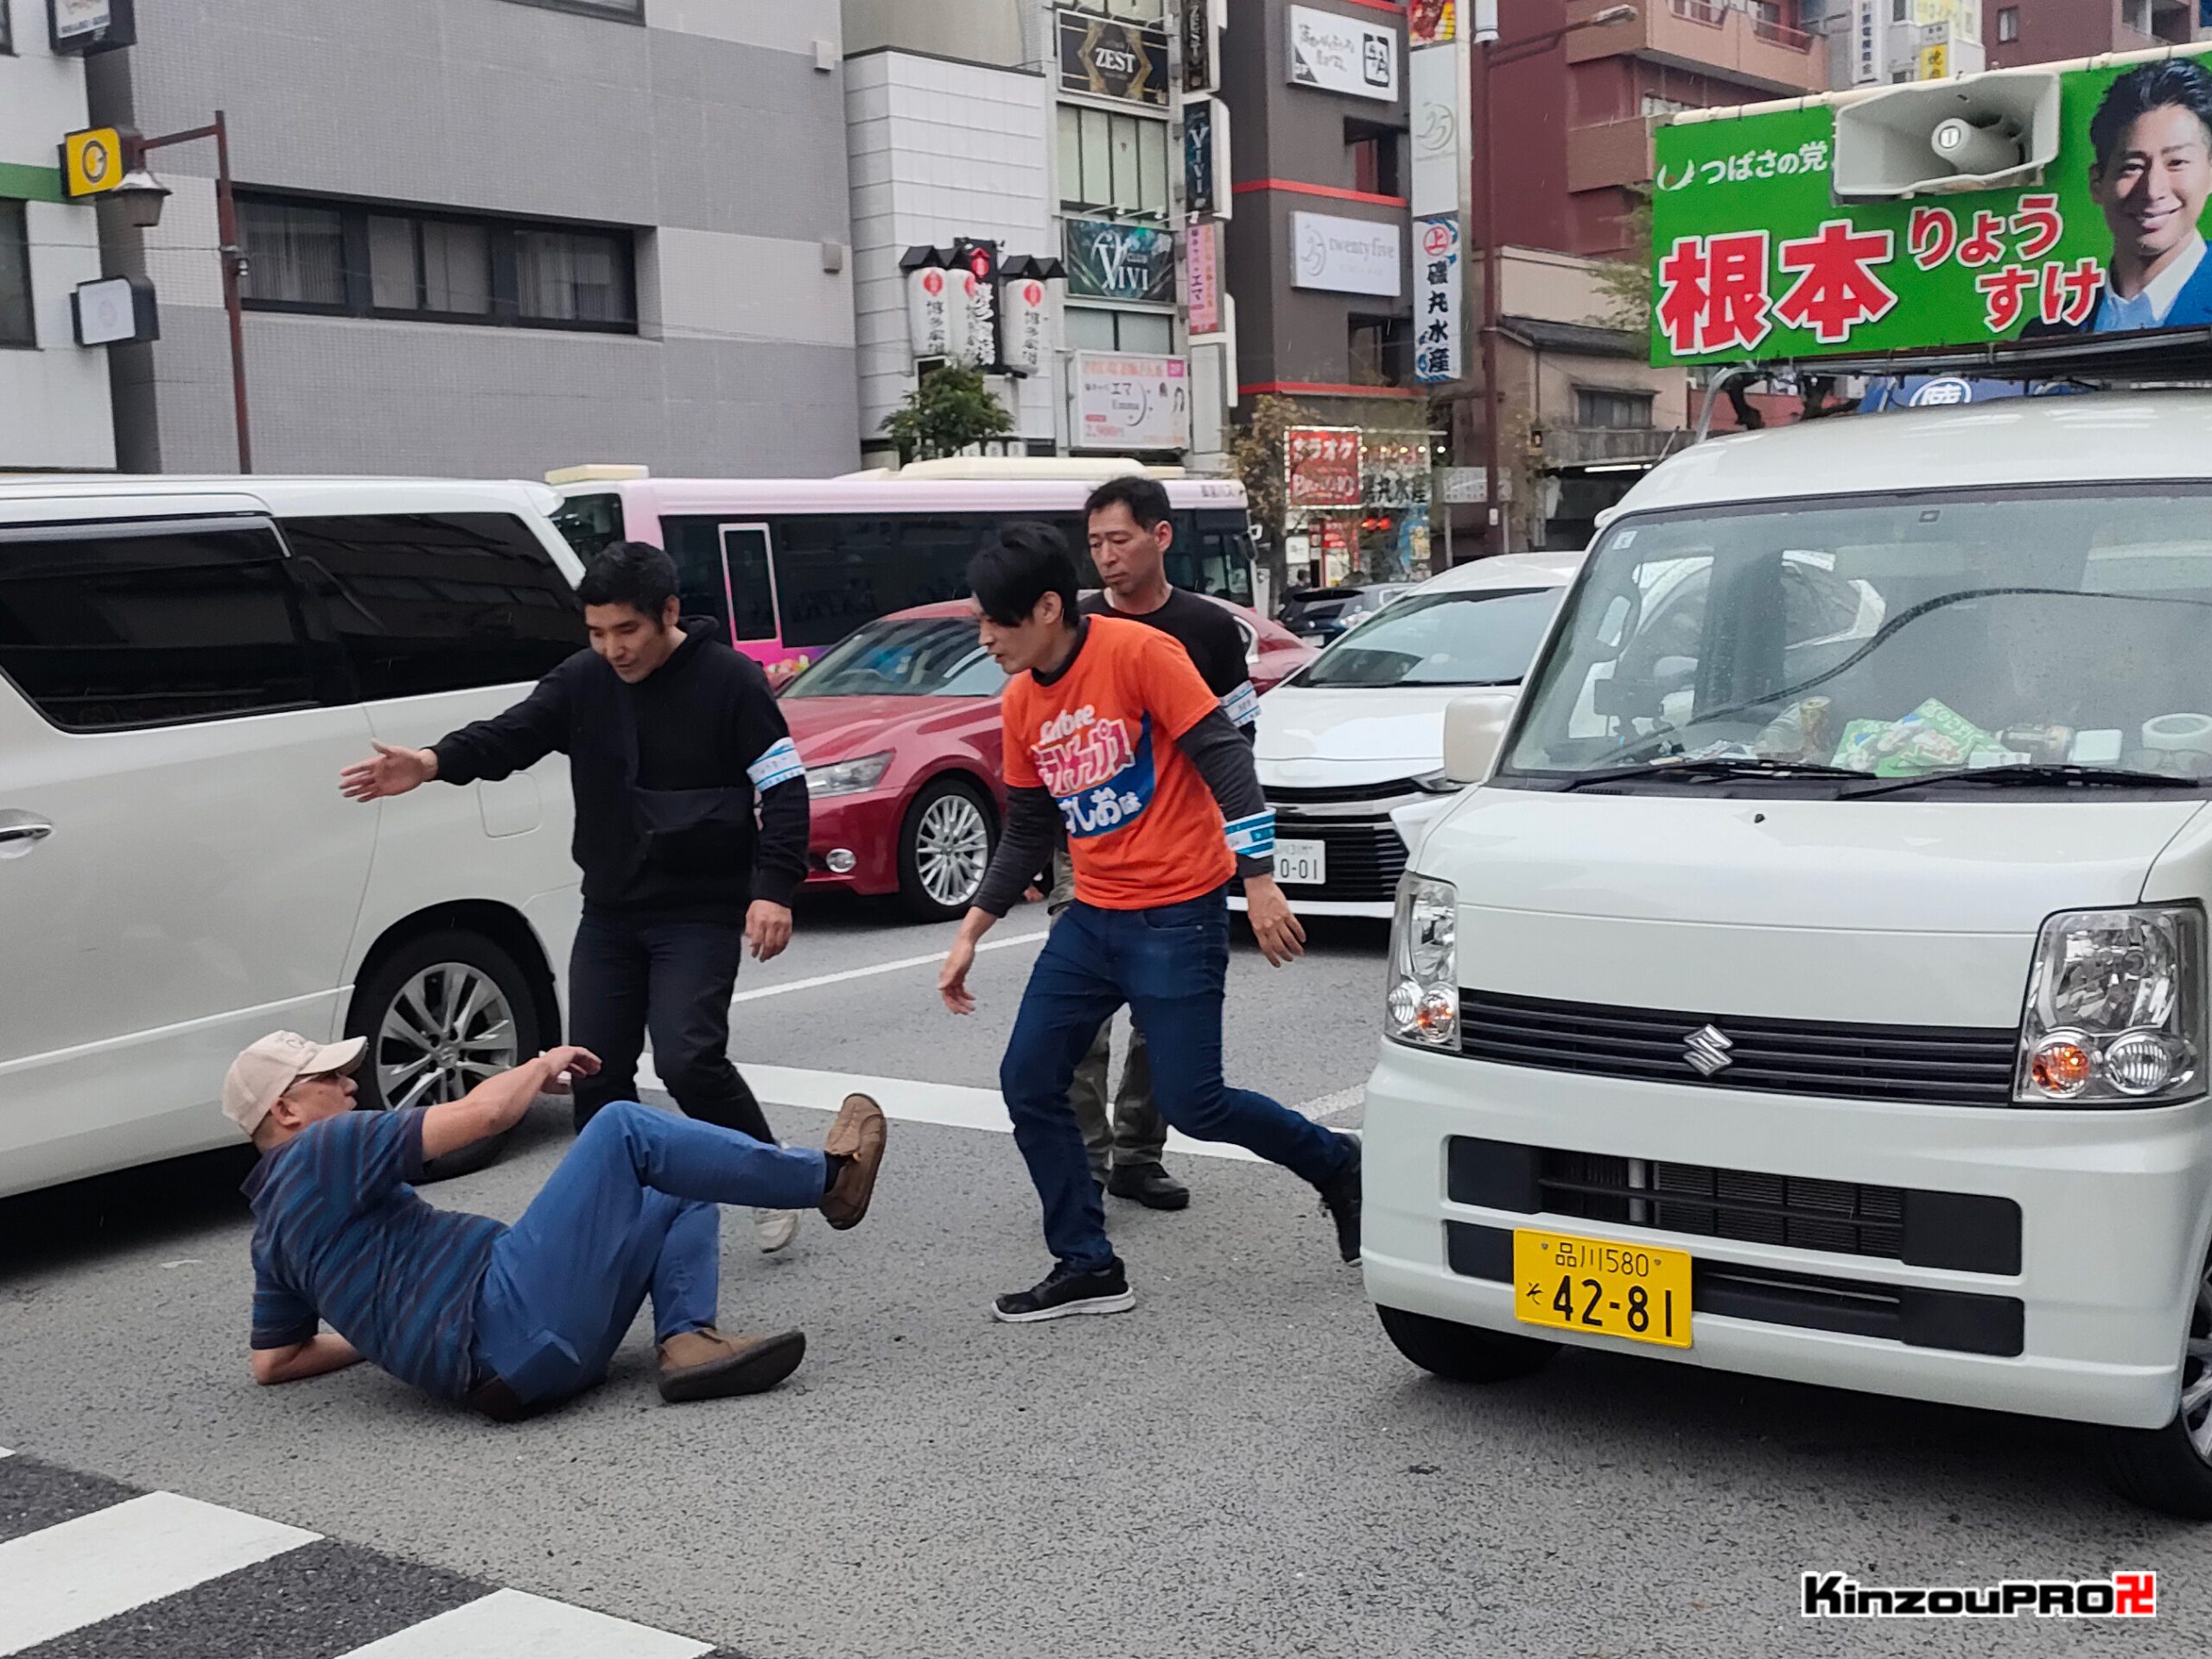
[341,1237]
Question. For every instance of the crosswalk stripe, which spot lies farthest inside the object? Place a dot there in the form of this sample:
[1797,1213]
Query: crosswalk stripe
[948,1104]
[108,1563]
[510,1625]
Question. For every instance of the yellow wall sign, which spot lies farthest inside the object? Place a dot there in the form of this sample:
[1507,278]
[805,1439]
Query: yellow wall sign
[1936,62]
[92,161]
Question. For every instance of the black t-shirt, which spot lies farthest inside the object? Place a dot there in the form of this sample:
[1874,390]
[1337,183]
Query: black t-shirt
[1211,637]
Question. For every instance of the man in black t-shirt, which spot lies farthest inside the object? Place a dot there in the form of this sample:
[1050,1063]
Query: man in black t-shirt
[1130,533]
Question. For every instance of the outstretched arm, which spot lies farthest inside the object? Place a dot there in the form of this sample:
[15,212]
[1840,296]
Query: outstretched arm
[323,1352]
[498,1104]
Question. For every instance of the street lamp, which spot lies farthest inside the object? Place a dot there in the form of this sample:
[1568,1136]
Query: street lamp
[140,198]
[1488,56]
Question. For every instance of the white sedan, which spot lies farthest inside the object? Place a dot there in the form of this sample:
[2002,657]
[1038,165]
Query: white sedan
[1351,746]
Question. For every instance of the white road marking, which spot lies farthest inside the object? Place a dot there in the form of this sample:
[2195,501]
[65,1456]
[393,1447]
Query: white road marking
[789,986]
[97,1565]
[5,1453]
[509,1624]
[950,1104]
[1326,1106]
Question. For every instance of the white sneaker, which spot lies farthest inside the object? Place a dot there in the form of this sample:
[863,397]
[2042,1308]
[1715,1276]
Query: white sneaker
[773,1228]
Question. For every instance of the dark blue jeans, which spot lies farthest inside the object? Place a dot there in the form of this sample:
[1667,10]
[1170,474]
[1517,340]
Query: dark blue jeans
[630,1213]
[675,979]
[1170,966]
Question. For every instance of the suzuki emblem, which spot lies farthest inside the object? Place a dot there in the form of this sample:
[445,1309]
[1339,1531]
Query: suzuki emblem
[1708,1050]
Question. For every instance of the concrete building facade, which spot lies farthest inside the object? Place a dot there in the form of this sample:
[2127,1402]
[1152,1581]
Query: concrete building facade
[54,393]
[2016,32]
[491,237]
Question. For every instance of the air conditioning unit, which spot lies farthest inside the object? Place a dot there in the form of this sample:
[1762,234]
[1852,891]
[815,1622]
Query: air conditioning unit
[1985,132]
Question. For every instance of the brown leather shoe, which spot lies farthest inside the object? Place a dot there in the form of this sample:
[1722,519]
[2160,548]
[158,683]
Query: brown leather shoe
[705,1364]
[857,1136]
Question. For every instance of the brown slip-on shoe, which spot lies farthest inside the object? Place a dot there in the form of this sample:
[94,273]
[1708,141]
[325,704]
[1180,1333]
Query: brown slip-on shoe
[707,1365]
[856,1136]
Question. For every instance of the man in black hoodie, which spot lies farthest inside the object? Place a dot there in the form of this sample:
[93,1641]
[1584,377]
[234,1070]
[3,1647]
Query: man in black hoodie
[691,832]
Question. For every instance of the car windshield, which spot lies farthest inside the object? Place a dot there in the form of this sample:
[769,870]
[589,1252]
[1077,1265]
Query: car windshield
[1480,637]
[917,656]
[1897,637]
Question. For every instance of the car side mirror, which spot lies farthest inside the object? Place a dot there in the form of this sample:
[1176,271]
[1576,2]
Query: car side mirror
[1474,731]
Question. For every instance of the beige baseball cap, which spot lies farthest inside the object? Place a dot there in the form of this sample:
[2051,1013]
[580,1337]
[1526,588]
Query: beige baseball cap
[274,1064]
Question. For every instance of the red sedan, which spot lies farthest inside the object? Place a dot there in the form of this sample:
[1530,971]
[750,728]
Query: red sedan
[899,726]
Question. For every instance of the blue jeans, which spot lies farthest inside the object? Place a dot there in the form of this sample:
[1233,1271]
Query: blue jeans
[1170,966]
[627,977]
[630,1212]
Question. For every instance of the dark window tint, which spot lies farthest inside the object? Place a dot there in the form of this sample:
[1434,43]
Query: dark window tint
[1615,409]
[835,574]
[1382,350]
[589,523]
[18,326]
[735,590]
[429,602]
[295,253]
[147,627]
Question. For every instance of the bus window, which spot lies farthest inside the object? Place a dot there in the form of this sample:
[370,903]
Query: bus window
[835,574]
[737,590]
[589,523]
[1212,555]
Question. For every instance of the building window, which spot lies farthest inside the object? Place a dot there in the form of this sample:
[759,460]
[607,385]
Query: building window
[1382,351]
[1613,410]
[627,11]
[2136,14]
[1144,12]
[18,320]
[2008,25]
[1091,329]
[1375,167]
[7,32]
[377,262]
[1117,162]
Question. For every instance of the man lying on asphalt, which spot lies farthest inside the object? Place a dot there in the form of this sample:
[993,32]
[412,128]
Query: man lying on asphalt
[509,1319]
[1111,734]
[691,831]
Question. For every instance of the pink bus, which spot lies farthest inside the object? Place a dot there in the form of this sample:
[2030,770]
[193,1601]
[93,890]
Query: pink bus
[794,565]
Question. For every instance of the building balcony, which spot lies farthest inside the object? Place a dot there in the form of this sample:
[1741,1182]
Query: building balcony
[1730,39]
[1609,153]
[1613,446]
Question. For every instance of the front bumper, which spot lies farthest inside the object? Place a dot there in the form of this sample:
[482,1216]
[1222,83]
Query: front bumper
[867,825]
[2115,1208]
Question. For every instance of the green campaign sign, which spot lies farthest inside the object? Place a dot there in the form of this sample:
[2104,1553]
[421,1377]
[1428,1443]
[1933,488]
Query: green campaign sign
[1755,258]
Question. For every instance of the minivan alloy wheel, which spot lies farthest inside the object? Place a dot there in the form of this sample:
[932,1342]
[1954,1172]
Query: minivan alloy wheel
[449,1029]
[952,848]
[2196,1372]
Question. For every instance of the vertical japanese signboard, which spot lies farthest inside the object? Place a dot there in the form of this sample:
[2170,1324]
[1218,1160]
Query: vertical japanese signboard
[1437,288]
[1202,277]
[1755,258]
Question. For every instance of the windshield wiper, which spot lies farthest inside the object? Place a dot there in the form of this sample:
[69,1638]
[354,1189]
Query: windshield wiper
[1713,766]
[2032,775]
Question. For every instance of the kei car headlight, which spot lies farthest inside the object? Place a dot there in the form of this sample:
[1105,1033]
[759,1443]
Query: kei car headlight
[1423,1007]
[2115,1013]
[847,776]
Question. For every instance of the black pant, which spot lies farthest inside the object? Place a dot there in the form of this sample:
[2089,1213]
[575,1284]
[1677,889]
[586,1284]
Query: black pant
[676,979]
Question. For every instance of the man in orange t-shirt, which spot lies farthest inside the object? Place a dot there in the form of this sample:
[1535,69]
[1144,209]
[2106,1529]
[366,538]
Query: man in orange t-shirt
[1113,738]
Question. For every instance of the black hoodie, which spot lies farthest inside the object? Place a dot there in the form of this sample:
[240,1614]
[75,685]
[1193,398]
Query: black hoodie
[669,775]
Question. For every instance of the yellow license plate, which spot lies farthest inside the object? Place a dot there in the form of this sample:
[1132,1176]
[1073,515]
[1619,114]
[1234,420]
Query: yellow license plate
[1600,1287]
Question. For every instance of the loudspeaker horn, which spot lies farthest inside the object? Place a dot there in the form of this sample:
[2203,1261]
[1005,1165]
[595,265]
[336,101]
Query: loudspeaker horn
[1937,137]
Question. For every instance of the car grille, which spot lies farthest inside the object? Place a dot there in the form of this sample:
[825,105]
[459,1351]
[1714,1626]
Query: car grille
[1805,1214]
[1390,789]
[1365,860]
[1926,1064]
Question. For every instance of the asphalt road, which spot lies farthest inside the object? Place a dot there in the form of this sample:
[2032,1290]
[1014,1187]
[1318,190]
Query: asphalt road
[1240,1467]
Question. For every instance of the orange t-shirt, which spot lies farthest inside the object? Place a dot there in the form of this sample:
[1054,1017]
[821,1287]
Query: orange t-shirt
[1143,828]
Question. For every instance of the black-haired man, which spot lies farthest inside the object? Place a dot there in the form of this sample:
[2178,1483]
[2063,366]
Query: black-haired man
[675,743]
[1112,738]
[1131,529]
[2152,173]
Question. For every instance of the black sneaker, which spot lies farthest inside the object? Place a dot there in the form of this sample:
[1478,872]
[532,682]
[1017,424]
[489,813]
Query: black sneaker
[1103,1290]
[1340,1197]
[1150,1185]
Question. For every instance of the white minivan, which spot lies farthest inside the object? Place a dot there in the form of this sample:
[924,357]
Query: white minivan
[185,666]
[1817,985]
